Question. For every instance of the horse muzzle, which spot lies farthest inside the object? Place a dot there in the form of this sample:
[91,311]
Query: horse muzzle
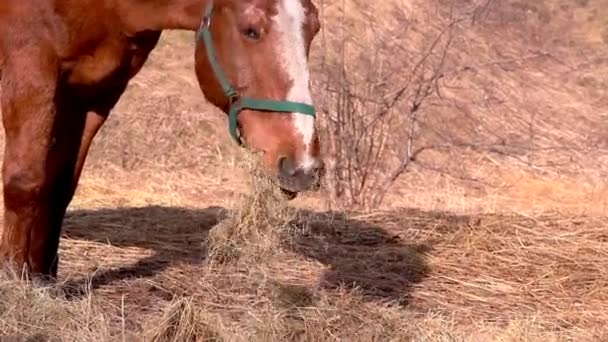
[293,178]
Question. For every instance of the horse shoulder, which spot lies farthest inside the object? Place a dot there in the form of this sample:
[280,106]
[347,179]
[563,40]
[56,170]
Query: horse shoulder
[90,38]
[102,48]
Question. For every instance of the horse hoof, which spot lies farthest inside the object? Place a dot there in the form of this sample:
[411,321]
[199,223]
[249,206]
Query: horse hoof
[42,281]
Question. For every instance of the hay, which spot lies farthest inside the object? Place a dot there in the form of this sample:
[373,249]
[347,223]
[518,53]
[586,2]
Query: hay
[29,313]
[253,230]
[182,321]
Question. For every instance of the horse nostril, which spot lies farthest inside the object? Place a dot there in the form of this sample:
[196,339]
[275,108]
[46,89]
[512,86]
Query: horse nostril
[286,166]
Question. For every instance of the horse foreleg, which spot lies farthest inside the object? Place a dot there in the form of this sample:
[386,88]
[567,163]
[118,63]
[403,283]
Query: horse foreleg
[74,132]
[74,147]
[29,167]
[94,121]
[69,177]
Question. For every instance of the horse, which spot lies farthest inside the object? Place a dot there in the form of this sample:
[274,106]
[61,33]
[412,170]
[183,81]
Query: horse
[66,63]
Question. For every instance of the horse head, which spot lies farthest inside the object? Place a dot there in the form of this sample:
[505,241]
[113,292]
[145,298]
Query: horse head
[251,61]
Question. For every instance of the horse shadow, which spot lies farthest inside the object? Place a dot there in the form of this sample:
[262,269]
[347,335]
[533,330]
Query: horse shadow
[174,234]
[357,254]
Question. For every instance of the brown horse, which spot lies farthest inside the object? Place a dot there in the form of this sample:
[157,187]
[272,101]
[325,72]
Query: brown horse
[65,64]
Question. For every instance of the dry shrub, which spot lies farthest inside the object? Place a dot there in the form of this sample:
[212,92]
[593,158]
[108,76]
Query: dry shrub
[252,231]
[427,91]
[377,105]
[29,313]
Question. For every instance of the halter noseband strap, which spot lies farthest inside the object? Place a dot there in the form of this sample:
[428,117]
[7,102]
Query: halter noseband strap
[238,103]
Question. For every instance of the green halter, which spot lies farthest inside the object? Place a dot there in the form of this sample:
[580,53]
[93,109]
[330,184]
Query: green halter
[238,103]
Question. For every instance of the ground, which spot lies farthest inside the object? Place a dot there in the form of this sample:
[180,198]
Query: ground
[509,245]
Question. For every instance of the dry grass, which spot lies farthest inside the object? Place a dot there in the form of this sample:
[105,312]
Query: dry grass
[389,276]
[497,249]
[36,314]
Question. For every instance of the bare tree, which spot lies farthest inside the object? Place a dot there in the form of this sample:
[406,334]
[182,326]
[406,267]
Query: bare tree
[372,126]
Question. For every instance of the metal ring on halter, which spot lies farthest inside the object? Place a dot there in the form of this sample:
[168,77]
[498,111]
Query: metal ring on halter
[233,98]
[206,23]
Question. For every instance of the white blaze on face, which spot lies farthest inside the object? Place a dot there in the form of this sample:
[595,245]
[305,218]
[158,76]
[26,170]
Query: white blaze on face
[289,22]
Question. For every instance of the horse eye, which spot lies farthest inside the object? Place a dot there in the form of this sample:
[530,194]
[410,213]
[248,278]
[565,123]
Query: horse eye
[252,33]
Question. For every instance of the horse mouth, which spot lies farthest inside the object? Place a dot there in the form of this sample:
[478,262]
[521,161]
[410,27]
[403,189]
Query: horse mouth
[289,195]
[291,189]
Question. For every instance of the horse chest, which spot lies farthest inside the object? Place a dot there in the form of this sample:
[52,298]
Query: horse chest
[99,64]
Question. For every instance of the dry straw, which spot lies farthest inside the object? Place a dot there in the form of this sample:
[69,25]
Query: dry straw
[253,230]
[33,313]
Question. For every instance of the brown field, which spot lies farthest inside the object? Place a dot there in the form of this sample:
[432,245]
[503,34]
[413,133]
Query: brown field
[496,231]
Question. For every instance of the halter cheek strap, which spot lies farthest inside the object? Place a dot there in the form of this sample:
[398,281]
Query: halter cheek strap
[238,103]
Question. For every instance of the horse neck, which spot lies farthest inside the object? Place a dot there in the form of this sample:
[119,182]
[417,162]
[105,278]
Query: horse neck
[158,15]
